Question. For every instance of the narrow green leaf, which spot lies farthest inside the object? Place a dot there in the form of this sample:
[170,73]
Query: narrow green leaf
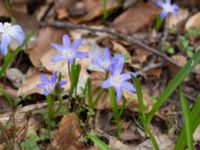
[105,13]
[89,93]
[186,115]
[195,119]
[174,83]
[75,72]
[10,57]
[140,97]
[98,142]
[114,103]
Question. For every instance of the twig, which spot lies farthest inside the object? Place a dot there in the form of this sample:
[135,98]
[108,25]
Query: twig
[59,24]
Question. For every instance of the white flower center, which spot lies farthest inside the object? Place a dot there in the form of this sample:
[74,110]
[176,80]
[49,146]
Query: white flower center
[69,54]
[116,80]
[7,25]
[106,64]
[51,87]
[168,7]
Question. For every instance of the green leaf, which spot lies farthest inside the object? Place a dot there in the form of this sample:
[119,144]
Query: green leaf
[114,104]
[174,83]
[10,57]
[140,97]
[98,142]
[75,72]
[89,93]
[195,119]
[105,12]
[186,115]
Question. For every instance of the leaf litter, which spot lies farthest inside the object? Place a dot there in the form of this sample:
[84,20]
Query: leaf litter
[135,20]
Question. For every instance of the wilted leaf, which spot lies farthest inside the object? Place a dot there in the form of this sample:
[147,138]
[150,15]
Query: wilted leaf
[68,135]
[136,18]
[173,21]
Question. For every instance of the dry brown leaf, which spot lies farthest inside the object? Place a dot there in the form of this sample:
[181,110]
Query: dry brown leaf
[136,18]
[29,85]
[61,13]
[164,142]
[193,22]
[173,21]
[94,9]
[180,59]
[45,37]
[4,12]
[68,135]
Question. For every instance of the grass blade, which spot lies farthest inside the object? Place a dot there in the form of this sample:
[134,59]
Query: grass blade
[98,142]
[89,93]
[114,104]
[174,83]
[186,115]
[140,96]
[195,119]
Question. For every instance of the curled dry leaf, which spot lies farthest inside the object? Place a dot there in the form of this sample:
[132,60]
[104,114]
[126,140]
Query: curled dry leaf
[68,135]
[173,21]
[193,22]
[136,18]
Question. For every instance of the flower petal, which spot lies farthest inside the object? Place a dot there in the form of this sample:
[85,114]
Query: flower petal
[163,14]
[54,78]
[128,86]
[81,55]
[43,86]
[107,54]
[4,43]
[62,83]
[119,92]
[1,28]
[66,42]
[17,33]
[125,76]
[58,57]
[44,79]
[76,45]
[175,7]
[57,47]
[160,4]
[71,61]
[47,92]
[168,2]
[106,84]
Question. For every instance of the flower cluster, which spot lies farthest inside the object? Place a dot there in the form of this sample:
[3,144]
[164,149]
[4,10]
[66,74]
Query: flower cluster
[9,32]
[49,85]
[167,8]
[115,66]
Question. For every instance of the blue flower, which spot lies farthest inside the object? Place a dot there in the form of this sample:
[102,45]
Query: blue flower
[167,8]
[104,61]
[67,51]
[9,32]
[49,85]
[117,79]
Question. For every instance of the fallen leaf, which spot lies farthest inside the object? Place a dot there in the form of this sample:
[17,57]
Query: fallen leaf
[61,13]
[164,143]
[174,21]
[15,76]
[44,38]
[94,9]
[136,18]
[193,22]
[68,135]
